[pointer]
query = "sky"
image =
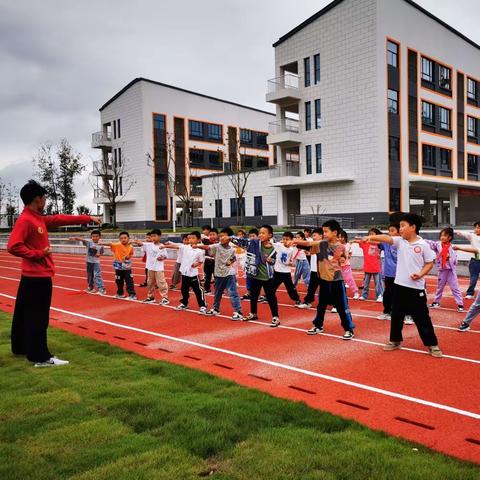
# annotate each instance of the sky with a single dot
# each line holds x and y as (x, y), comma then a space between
(60, 60)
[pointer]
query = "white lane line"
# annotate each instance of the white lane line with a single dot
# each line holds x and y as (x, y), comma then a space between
(271, 363)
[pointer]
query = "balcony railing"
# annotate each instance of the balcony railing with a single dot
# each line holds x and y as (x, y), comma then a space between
(287, 169)
(100, 168)
(289, 80)
(101, 139)
(284, 125)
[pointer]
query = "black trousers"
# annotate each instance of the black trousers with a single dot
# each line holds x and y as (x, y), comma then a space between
(388, 295)
(208, 268)
(31, 317)
(312, 287)
(410, 301)
(194, 284)
(333, 293)
(124, 277)
(286, 279)
(269, 289)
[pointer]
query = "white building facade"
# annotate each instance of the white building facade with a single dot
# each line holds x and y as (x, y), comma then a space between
(378, 110)
(157, 141)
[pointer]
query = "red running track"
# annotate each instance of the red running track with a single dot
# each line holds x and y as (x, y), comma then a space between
(406, 393)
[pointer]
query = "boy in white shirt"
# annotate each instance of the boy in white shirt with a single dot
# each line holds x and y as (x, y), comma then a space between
(282, 272)
(176, 275)
(414, 260)
(155, 258)
(191, 260)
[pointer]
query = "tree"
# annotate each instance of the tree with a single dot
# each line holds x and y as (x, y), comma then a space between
(47, 173)
(11, 204)
(69, 168)
(83, 210)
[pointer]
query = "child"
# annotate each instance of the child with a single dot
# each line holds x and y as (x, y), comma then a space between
(205, 231)
(302, 265)
(252, 234)
(144, 260)
(474, 265)
(446, 265)
(414, 260)
(314, 283)
(225, 273)
(259, 269)
(282, 268)
(474, 309)
(209, 264)
(191, 260)
(371, 266)
(94, 272)
(122, 263)
(307, 231)
(156, 255)
(240, 254)
(176, 275)
(330, 256)
(346, 267)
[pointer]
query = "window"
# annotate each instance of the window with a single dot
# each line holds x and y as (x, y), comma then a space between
(218, 208)
(308, 158)
(114, 129)
(316, 68)
(215, 160)
(119, 157)
(214, 131)
(245, 136)
(445, 160)
(120, 186)
(394, 149)
(444, 118)
(308, 116)
(428, 156)
(262, 162)
(392, 54)
(445, 77)
(318, 113)
(196, 186)
(427, 113)
(395, 200)
(473, 164)
(393, 101)
(306, 71)
(472, 127)
(237, 207)
(196, 158)
(257, 206)
(196, 128)
(159, 122)
(247, 162)
(318, 157)
(118, 128)
(427, 69)
(471, 89)
(261, 139)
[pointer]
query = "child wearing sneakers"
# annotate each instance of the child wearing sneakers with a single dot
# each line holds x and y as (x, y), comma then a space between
(414, 260)
(474, 309)
(347, 273)
(252, 234)
(94, 272)
(192, 258)
(144, 260)
(176, 275)
(156, 256)
(330, 255)
(474, 265)
(317, 235)
(224, 257)
(302, 265)
(122, 264)
(446, 263)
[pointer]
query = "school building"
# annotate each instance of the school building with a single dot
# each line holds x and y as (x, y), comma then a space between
(155, 143)
(377, 110)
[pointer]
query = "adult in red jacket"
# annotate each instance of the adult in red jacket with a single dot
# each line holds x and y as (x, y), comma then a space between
(29, 240)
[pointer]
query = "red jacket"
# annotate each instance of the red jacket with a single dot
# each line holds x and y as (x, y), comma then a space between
(29, 238)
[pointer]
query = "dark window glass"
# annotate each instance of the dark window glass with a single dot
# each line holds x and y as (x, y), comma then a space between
(395, 200)
(196, 186)
(215, 160)
(218, 208)
(118, 129)
(245, 136)
(257, 206)
(392, 53)
(318, 113)
(316, 68)
(427, 69)
(247, 162)
(114, 129)
(445, 74)
(262, 162)
(471, 89)
(318, 157)
(444, 118)
(197, 158)
(308, 157)
(261, 138)
(306, 71)
(159, 122)
(237, 207)
(308, 116)
(214, 131)
(473, 164)
(393, 101)
(394, 148)
(445, 160)
(427, 113)
(195, 128)
(428, 153)
(119, 157)
(472, 127)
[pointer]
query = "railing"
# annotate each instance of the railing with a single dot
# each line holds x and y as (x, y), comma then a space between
(99, 194)
(101, 139)
(101, 168)
(289, 80)
(318, 220)
(287, 169)
(284, 125)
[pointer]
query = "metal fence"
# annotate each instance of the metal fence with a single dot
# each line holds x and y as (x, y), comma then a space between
(318, 220)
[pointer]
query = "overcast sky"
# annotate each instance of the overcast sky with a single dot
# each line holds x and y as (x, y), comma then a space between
(62, 59)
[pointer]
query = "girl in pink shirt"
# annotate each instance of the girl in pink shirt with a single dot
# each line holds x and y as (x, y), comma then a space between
(347, 273)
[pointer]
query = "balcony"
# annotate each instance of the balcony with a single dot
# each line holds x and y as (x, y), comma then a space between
(99, 196)
(102, 169)
(284, 133)
(284, 90)
(287, 169)
(101, 140)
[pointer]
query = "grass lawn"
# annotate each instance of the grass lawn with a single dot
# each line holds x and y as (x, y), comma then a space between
(114, 415)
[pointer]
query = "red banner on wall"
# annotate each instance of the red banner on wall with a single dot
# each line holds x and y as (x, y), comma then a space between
(469, 192)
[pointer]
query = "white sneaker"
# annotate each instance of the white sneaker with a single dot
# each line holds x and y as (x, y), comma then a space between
(380, 299)
(408, 320)
(360, 298)
(356, 296)
(203, 310)
(468, 297)
(333, 310)
(237, 316)
(164, 301)
(304, 305)
(384, 316)
(52, 362)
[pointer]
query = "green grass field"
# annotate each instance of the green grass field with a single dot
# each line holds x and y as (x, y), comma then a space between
(114, 415)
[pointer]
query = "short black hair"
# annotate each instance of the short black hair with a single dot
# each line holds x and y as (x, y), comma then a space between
(317, 230)
(123, 233)
(196, 233)
(30, 191)
(96, 232)
(412, 219)
(253, 231)
(184, 236)
(156, 231)
(288, 235)
(344, 235)
(476, 224)
(269, 228)
(376, 231)
(395, 225)
(301, 234)
(333, 225)
(206, 227)
(240, 230)
(448, 231)
(214, 230)
(307, 229)
(228, 231)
